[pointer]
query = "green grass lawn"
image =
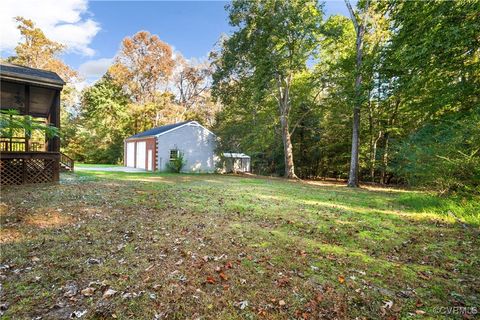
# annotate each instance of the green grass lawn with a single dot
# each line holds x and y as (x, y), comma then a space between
(227, 247)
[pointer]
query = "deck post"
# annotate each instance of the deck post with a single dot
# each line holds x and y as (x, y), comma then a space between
(54, 119)
(27, 112)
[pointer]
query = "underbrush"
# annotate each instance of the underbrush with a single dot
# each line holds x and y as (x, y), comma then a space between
(466, 209)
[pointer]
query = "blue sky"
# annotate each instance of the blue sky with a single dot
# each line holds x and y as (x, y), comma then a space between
(94, 30)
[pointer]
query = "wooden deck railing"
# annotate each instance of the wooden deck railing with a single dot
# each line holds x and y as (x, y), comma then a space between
(19, 144)
(66, 162)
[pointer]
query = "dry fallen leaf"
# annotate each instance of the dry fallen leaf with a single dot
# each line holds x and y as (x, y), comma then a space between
(150, 267)
(223, 276)
(109, 293)
(283, 282)
(281, 303)
(424, 275)
(210, 280)
(261, 312)
(242, 304)
(89, 291)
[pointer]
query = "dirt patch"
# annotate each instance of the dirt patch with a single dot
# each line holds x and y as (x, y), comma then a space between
(8, 235)
(48, 219)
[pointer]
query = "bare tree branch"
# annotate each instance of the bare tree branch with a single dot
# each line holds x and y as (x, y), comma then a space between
(300, 120)
(352, 14)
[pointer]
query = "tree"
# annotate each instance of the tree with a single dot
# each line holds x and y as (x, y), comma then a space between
(143, 64)
(37, 51)
(333, 74)
(437, 78)
(192, 83)
(103, 123)
(359, 24)
(273, 42)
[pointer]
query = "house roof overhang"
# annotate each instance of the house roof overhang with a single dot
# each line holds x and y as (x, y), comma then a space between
(28, 90)
(17, 73)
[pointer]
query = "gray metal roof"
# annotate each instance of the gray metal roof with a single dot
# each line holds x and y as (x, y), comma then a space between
(158, 130)
(17, 72)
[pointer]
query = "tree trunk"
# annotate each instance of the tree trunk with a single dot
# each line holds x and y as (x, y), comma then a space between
(354, 163)
(353, 175)
(372, 139)
(287, 149)
(283, 86)
(372, 161)
(390, 124)
(385, 158)
(374, 156)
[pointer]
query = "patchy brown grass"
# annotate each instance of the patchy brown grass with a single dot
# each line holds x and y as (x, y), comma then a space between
(219, 247)
(49, 219)
(10, 235)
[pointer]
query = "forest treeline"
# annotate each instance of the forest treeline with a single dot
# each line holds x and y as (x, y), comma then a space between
(418, 97)
(290, 85)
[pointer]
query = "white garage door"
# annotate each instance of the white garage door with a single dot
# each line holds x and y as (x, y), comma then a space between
(130, 154)
(141, 153)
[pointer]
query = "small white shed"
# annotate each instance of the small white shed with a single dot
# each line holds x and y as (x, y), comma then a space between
(236, 162)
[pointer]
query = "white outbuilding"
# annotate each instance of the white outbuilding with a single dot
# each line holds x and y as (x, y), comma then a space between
(236, 162)
(153, 149)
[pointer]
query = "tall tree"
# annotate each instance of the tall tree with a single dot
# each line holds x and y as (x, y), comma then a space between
(272, 42)
(103, 123)
(37, 51)
(359, 23)
(143, 65)
(191, 82)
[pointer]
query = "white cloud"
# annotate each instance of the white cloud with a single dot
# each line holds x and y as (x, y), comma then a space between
(94, 69)
(79, 86)
(61, 20)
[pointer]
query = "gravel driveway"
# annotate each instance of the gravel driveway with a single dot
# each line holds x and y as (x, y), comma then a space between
(112, 168)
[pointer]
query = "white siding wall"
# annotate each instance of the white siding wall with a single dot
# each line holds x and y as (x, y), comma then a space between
(196, 143)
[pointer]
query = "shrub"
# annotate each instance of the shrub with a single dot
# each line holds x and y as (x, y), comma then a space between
(444, 155)
(11, 121)
(176, 165)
